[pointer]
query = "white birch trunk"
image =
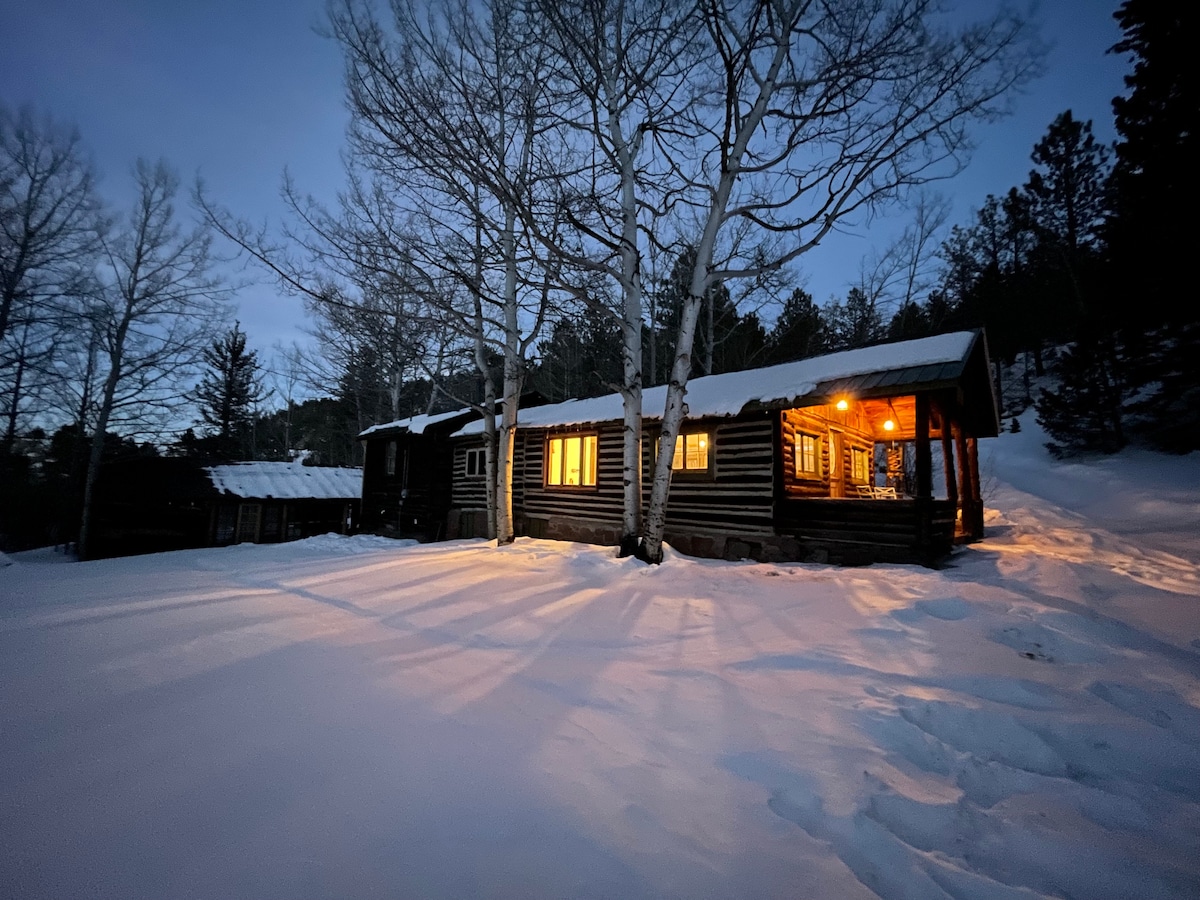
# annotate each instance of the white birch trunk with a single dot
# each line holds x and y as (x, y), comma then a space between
(675, 409)
(513, 380)
(631, 351)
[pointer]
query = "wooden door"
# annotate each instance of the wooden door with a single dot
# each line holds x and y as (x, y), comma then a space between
(248, 520)
(837, 464)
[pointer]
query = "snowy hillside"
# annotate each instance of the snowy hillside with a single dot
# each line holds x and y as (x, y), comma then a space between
(353, 717)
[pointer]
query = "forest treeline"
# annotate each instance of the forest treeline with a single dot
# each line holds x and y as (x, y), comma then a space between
(584, 208)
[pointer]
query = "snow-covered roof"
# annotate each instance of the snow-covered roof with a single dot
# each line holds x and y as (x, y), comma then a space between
(286, 481)
(732, 392)
(414, 424)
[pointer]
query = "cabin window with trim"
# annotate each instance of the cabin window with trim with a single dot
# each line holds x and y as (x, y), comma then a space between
(571, 461)
(476, 462)
(860, 465)
(808, 455)
(390, 458)
(691, 452)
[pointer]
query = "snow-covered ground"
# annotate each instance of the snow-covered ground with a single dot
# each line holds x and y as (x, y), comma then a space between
(353, 717)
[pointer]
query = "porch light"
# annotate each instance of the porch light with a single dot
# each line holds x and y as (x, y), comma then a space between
(843, 405)
(889, 425)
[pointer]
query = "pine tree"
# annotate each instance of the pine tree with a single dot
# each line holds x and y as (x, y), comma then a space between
(855, 323)
(228, 391)
(1154, 188)
(1085, 412)
(799, 332)
(1158, 124)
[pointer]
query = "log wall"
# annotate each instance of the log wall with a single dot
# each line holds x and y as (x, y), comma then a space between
(818, 421)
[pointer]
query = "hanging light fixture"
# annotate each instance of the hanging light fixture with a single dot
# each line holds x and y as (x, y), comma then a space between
(890, 423)
(843, 405)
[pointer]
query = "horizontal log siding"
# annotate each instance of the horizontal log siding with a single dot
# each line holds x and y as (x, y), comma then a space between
(738, 499)
(468, 492)
(601, 503)
(851, 531)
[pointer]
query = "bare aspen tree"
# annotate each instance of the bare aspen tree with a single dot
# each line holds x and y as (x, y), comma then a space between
(446, 107)
(157, 304)
(50, 221)
(820, 111)
(622, 70)
(906, 268)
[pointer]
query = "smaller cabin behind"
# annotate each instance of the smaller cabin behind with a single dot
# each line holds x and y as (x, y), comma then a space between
(157, 504)
(407, 473)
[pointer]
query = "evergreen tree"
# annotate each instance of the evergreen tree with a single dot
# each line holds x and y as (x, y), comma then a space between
(1067, 189)
(799, 332)
(581, 358)
(1155, 173)
(725, 340)
(910, 321)
(228, 392)
(1154, 185)
(855, 323)
(1086, 410)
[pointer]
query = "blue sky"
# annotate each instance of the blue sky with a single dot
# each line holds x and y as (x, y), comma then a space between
(237, 91)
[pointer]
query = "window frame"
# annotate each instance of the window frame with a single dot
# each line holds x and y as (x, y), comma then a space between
(390, 453)
(868, 462)
(479, 456)
(592, 470)
(798, 456)
(710, 451)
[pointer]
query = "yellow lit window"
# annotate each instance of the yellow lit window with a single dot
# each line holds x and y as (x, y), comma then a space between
(808, 455)
(571, 461)
(860, 465)
(691, 453)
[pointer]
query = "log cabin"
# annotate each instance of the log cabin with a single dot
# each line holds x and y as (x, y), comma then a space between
(829, 459)
(171, 503)
(407, 471)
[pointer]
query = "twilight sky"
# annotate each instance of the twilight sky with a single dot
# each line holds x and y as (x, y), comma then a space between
(236, 90)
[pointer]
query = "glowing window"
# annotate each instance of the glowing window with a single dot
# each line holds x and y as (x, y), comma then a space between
(571, 461)
(691, 453)
(860, 465)
(808, 455)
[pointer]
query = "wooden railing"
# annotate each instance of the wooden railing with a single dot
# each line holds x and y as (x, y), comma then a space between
(863, 531)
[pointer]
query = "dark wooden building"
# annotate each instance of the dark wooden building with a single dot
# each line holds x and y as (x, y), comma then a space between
(407, 474)
(826, 459)
(157, 504)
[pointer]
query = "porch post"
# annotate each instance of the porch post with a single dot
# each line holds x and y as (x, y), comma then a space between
(923, 501)
(964, 481)
(948, 464)
(976, 493)
(924, 452)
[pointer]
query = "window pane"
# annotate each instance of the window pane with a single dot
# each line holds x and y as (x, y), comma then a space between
(677, 459)
(807, 450)
(589, 460)
(573, 462)
(697, 451)
(554, 462)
